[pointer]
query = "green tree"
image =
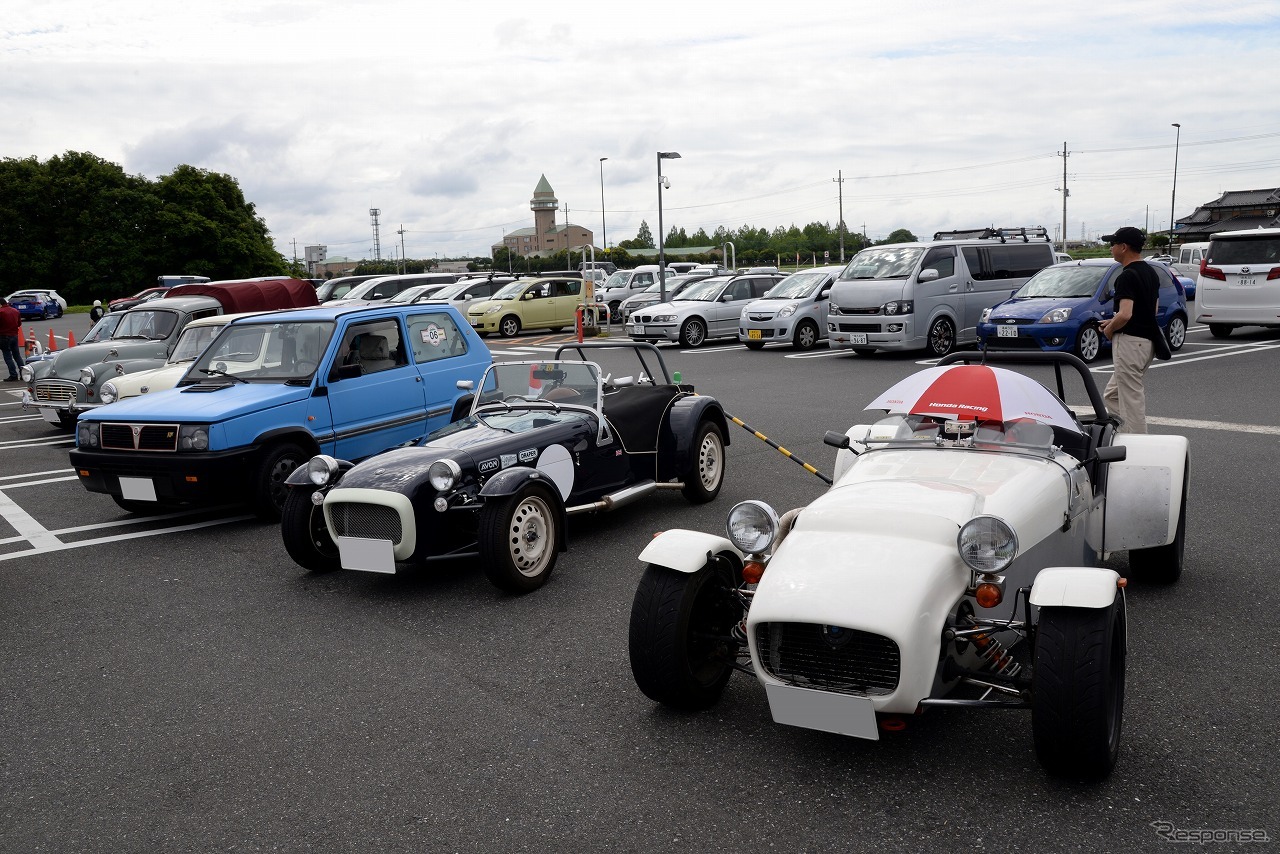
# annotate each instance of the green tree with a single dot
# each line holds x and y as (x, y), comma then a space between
(642, 240)
(900, 235)
(82, 225)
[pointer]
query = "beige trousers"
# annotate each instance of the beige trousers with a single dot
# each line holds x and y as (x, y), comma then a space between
(1125, 395)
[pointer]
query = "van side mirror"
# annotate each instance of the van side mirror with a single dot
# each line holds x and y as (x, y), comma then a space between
(927, 275)
(347, 372)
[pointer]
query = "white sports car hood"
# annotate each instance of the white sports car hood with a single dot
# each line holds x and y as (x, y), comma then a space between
(878, 551)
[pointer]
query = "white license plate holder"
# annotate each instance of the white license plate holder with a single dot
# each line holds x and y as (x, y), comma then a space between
(137, 489)
(635, 330)
(51, 415)
(857, 338)
(843, 714)
(366, 555)
(1006, 332)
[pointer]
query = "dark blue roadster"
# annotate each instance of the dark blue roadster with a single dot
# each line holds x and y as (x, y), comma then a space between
(543, 441)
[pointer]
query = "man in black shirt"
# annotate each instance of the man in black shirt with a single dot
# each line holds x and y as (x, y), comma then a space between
(1132, 330)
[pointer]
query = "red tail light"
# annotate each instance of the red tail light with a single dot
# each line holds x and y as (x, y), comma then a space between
(1274, 274)
(1211, 272)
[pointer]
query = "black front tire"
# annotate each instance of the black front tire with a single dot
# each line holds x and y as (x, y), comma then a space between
(693, 333)
(754, 345)
(705, 474)
(1220, 330)
(1176, 333)
(942, 337)
(519, 539)
(1163, 564)
(806, 336)
(1089, 343)
(306, 537)
(680, 642)
(274, 467)
(509, 327)
(1077, 687)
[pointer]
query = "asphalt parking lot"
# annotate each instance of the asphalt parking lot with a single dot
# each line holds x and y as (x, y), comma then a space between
(177, 683)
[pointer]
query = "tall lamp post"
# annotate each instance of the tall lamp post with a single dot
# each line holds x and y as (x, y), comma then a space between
(1174, 200)
(604, 234)
(662, 258)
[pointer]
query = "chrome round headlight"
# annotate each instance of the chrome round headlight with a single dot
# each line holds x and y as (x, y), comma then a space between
(752, 527)
(86, 376)
(108, 393)
(987, 544)
(444, 475)
(321, 469)
(27, 373)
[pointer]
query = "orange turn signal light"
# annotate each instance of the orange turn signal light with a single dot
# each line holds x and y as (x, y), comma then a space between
(191, 479)
(988, 594)
(1122, 582)
(752, 571)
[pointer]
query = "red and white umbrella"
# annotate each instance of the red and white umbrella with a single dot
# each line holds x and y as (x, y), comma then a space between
(976, 392)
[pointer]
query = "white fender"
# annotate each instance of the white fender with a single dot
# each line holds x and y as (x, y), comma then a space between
(1144, 492)
(683, 550)
(1074, 587)
(844, 459)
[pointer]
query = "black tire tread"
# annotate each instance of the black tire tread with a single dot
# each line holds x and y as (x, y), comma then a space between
(295, 530)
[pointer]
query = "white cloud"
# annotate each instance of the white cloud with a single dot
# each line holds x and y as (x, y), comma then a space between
(444, 116)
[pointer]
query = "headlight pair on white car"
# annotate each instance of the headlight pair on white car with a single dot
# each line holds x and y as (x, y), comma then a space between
(986, 544)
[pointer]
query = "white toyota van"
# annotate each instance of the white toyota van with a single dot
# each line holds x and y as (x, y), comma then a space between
(929, 295)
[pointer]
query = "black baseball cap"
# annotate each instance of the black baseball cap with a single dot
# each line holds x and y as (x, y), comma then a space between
(1130, 236)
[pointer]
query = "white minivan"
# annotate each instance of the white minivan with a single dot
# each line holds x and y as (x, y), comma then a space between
(1239, 283)
(930, 294)
(1191, 254)
(626, 283)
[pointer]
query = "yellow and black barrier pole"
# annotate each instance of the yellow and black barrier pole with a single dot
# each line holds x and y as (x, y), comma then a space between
(772, 444)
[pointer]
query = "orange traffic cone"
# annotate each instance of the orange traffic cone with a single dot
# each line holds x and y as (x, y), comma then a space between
(71, 338)
(53, 345)
(22, 339)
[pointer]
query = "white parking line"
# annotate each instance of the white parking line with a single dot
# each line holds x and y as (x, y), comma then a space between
(1227, 426)
(26, 526)
(44, 549)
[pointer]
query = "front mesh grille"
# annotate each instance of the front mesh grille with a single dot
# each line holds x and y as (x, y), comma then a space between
(56, 391)
(829, 657)
(139, 437)
(858, 327)
(369, 521)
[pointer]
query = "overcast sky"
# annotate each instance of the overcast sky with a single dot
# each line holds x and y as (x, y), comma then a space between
(444, 115)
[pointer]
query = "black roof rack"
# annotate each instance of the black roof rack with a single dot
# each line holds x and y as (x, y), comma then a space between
(1026, 233)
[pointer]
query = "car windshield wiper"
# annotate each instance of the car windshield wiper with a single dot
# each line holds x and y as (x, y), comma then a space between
(224, 374)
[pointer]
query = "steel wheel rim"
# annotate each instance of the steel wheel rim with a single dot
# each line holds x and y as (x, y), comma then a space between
(529, 536)
(1177, 333)
(275, 479)
(710, 459)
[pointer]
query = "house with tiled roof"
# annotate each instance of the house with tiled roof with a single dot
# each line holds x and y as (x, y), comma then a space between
(547, 236)
(1234, 210)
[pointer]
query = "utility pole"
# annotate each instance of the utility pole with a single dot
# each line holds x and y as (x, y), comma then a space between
(295, 252)
(401, 233)
(839, 179)
(377, 247)
(1065, 192)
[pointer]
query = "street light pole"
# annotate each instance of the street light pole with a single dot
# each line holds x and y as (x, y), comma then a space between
(604, 234)
(1173, 201)
(662, 258)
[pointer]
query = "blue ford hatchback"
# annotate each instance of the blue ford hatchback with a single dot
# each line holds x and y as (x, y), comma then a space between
(1061, 308)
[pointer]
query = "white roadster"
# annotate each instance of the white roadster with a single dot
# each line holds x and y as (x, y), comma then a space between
(953, 562)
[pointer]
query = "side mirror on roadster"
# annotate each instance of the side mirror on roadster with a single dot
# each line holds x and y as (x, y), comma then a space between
(836, 440)
(1113, 454)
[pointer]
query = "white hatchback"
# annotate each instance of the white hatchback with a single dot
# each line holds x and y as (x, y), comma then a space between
(707, 309)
